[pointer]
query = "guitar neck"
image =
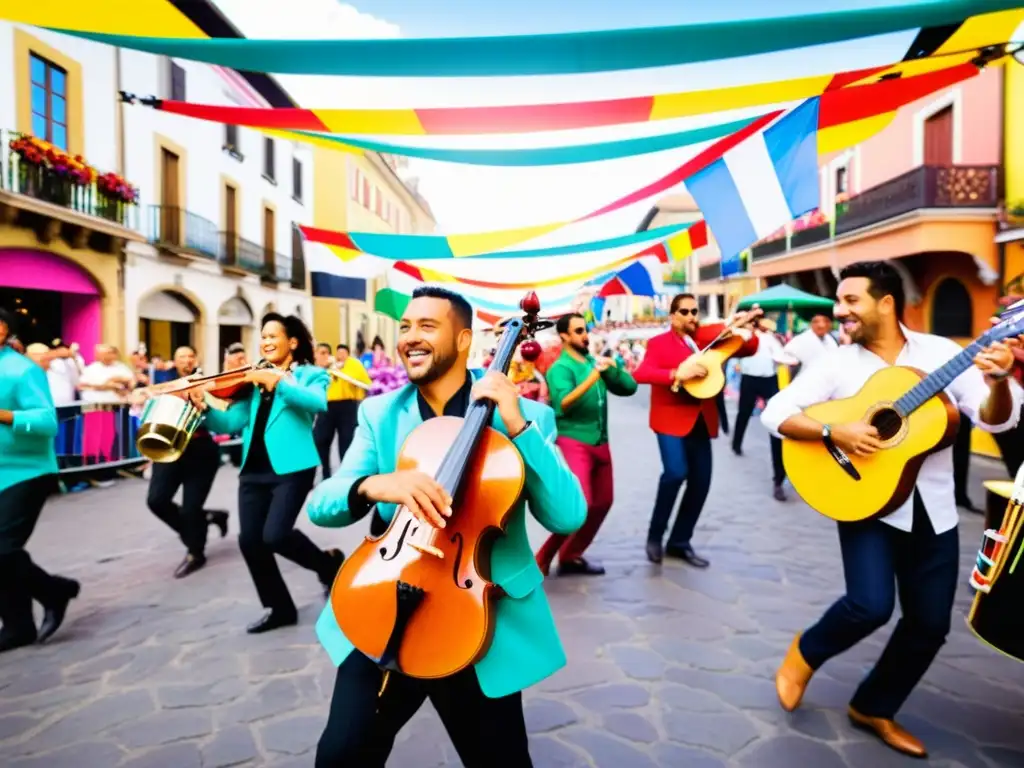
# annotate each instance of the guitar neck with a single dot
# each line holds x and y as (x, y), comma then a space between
(939, 379)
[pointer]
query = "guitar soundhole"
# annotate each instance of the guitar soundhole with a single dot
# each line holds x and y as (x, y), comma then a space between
(887, 422)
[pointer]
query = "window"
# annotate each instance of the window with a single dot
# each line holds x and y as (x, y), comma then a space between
(268, 159)
(49, 101)
(177, 82)
(231, 142)
(938, 138)
(297, 179)
(365, 199)
(842, 180)
(952, 310)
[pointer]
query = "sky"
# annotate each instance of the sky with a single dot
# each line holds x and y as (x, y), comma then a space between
(468, 199)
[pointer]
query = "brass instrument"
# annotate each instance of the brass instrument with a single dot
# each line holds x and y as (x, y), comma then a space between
(333, 371)
(169, 421)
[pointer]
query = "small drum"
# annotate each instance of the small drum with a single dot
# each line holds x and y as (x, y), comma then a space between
(168, 423)
(995, 616)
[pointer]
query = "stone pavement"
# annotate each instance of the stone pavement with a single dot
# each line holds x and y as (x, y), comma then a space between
(667, 666)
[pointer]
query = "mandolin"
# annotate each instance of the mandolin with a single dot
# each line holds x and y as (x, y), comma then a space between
(914, 418)
(713, 357)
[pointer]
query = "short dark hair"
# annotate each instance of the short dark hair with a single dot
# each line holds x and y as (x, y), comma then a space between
(294, 328)
(323, 345)
(563, 323)
(883, 280)
(463, 309)
(677, 299)
(341, 347)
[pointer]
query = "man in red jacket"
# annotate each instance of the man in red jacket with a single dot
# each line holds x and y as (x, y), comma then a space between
(684, 425)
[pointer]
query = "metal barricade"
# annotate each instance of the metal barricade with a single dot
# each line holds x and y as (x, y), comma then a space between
(95, 436)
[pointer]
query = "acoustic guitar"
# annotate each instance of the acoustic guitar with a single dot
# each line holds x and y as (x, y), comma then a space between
(713, 357)
(914, 418)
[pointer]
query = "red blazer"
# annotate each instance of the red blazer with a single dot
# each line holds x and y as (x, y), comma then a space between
(675, 413)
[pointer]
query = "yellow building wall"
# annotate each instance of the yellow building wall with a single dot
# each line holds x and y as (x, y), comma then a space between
(1013, 131)
(105, 269)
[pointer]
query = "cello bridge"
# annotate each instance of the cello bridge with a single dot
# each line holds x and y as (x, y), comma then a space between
(427, 549)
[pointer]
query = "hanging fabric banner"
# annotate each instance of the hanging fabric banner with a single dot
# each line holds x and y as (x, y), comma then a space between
(550, 54)
(867, 99)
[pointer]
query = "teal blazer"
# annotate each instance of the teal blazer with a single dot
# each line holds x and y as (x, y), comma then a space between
(298, 398)
(27, 445)
(525, 648)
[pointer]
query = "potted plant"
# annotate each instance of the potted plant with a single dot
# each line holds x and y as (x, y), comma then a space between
(114, 194)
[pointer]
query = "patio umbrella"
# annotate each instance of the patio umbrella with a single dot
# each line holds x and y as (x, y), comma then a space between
(390, 302)
(780, 298)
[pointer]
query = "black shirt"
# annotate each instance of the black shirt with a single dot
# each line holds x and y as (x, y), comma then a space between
(257, 461)
(359, 505)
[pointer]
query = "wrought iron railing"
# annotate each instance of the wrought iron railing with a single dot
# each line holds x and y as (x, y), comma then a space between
(176, 227)
(251, 256)
(31, 173)
(298, 271)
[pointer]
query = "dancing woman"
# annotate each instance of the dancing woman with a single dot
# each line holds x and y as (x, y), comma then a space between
(279, 461)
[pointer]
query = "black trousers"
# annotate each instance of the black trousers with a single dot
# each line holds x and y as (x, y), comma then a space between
(21, 580)
(338, 420)
(879, 562)
(751, 388)
(193, 473)
(268, 506)
(1011, 446)
(962, 459)
(361, 728)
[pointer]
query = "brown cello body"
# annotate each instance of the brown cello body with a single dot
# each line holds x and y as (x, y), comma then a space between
(419, 600)
(451, 626)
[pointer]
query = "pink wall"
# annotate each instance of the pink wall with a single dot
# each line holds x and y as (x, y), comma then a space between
(43, 271)
(890, 152)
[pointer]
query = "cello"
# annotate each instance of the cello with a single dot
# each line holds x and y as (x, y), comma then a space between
(417, 599)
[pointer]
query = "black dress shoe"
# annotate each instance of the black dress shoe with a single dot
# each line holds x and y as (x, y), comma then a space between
(687, 555)
(579, 567)
(327, 578)
(53, 616)
(654, 552)
(778, 493)
(273, 620)
(219, 518)
(9, 639)
(189, 565)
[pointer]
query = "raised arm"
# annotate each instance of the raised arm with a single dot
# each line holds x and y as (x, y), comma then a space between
(230, 421)
(305, 390)
(619, 381)
(654, 369)
(564, 395)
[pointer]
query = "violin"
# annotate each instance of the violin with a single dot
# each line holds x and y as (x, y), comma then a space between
(418, 599)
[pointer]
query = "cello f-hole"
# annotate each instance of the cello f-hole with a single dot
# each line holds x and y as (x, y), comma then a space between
(398, 546)
(460, 543)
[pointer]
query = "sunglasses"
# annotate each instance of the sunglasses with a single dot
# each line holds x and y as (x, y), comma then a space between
(685, 312)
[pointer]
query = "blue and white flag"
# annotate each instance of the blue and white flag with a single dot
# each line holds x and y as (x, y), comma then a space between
(761, 184)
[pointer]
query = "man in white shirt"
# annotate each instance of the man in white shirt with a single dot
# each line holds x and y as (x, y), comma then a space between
(758, 379)
(63, 373)
(915, 549)
(107, 379)
(804, 348)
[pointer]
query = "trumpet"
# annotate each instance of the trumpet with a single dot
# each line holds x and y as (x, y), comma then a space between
(169, 421)
(333, 371)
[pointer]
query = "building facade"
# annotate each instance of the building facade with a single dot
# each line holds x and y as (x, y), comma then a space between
(210, 243)
(373, 198)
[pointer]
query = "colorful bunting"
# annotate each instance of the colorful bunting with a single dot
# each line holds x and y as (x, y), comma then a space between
(634, 280)
(551, 54)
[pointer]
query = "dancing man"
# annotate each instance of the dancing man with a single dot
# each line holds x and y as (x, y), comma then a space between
(279, 461)
(28, 475)
(684, 425)
(349, 385)
(913, 552)
(481, 707)
(579, 384)
(193, 472)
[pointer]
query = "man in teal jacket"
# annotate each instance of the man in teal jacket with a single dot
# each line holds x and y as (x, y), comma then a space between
(28, 474)
(481, 707)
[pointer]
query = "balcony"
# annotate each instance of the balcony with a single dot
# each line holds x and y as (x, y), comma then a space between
(925, 187)
(57, 195)
(183, 233)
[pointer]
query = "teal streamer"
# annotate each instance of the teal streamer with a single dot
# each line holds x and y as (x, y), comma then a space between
(538, 156)
(425, 247)
(563, 53)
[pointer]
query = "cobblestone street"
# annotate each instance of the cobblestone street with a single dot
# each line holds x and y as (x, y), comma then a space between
(668, 666)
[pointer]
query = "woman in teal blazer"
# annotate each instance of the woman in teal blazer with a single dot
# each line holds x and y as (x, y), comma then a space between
(279, 461)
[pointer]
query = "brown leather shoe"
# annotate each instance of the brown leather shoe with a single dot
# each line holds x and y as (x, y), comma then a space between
(890, 733)
(792, 678)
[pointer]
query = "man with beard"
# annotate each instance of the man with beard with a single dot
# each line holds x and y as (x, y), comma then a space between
(481, 707)
(578, 385)
(913, 551)
(684, 425)
(194, 473)
(28, 475)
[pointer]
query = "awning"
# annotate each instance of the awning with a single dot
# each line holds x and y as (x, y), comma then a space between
(235, 311)
(1010, 235)
(166, 306)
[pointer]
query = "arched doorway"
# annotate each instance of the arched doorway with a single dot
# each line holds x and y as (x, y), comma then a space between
(236, 321)
(51, 298)
(952, 313)
(167, 320)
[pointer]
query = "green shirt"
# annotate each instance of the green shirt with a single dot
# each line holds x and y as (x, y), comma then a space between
(585, 420)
